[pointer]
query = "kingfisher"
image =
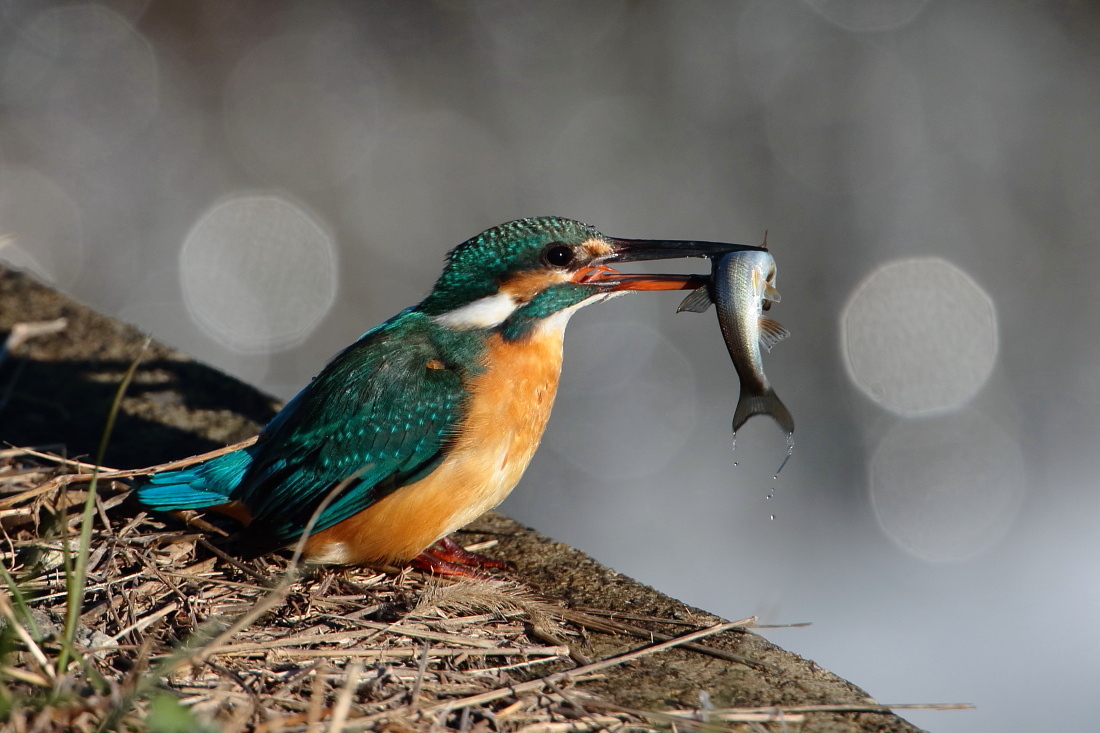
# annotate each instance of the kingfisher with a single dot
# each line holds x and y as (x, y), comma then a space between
(430, 418)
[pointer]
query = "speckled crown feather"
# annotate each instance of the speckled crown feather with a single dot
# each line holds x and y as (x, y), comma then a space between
(476, 267)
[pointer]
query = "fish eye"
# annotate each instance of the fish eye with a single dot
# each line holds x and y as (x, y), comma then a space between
(557, 254)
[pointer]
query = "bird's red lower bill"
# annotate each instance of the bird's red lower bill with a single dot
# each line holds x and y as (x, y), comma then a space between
(615, 280)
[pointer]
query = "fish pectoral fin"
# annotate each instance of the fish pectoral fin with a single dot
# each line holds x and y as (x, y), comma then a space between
(771, 333)
(770, 293)
(697, 301)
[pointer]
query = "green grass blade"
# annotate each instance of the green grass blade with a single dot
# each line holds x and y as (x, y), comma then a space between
(21, 604)
(76, 582)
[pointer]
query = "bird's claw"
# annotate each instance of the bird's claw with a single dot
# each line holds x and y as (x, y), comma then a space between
(447, 557)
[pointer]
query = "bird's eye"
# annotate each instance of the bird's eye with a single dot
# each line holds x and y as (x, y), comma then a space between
(557, 255)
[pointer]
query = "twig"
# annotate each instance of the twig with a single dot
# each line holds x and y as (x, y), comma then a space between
(692, 718)
(21, 332)
(611, 626)
(297, 640)
(9, 613)
(406, 653)
(343, 702)
(855, 707)
(227, 558)
(145, 621)
(61, 461)
(111, 473)
(421, 670)
(262, 606)
(417, 633)
(568, 698)
(316, 701)
(596, 666)
(544, 635)
(764, 714)
(617, 615)
(24, 676)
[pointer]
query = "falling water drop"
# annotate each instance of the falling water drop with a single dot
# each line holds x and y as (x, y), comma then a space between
(733, 444)
(790, 450)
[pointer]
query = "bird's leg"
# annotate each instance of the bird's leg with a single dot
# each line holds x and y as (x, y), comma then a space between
(426, 562)
(447, 557)
(448, 549)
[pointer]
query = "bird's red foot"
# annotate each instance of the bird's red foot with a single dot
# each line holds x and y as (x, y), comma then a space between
(447, 557)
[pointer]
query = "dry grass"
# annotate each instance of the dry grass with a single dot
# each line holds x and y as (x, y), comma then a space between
(114, 619)
(174, 633)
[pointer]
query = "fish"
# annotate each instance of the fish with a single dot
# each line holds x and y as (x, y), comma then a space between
(742, 286)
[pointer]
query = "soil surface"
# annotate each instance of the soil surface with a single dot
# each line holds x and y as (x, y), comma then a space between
(55, 391)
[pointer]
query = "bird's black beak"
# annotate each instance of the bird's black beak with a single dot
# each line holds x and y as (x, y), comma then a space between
(637, 250)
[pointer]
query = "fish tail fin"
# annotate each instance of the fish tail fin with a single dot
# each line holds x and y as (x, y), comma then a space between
(765, 403)
(209, 483)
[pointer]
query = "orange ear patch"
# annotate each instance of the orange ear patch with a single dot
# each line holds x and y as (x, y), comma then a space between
(597, 248)
(526, 285)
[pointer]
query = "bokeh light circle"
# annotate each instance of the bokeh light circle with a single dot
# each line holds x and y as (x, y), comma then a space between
(258, 273)
(845, 117)
(868, 15)
(80, 81)
(612, 154)
(435, 178)
(946, 489)
(530, 29)
(919, 336)
(303, 108)
(41, 226)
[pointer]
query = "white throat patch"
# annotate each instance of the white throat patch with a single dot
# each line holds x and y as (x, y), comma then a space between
(558, 321)
(487, 312)
(493, 310)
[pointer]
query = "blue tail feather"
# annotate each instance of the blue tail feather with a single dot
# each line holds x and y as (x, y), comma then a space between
(206, 484)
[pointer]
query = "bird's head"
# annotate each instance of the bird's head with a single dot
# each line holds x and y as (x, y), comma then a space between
(517, 274)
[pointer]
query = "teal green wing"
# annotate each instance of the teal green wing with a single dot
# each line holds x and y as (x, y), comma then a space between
(380, 416)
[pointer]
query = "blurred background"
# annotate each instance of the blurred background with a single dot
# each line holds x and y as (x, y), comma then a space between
(259, 182)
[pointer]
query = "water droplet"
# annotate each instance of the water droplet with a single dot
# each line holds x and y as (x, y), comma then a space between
(790, 450)
(771, 517)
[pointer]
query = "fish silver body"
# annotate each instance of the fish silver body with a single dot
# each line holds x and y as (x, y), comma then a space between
(742, 285)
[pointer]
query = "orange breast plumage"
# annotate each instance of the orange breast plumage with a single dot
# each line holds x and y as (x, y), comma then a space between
(509, 405)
